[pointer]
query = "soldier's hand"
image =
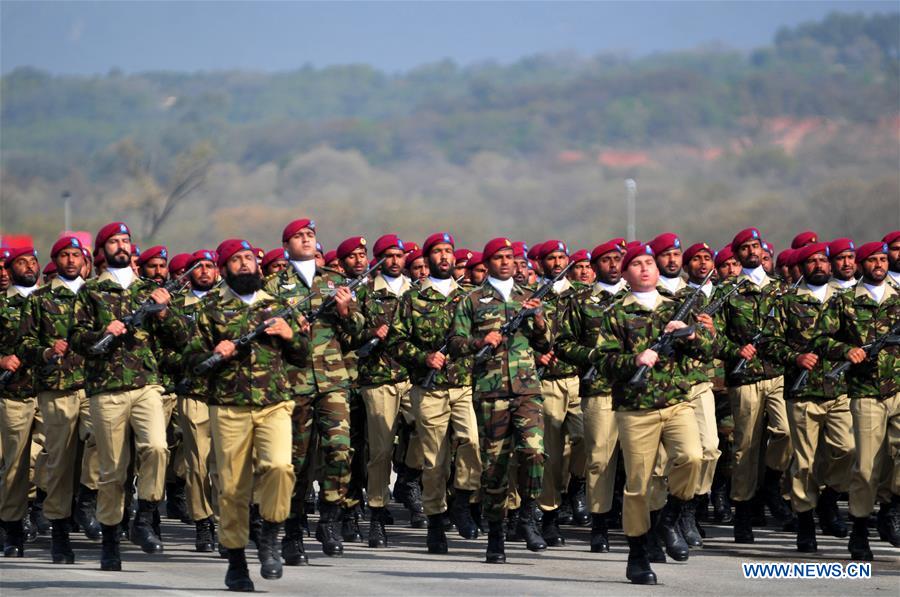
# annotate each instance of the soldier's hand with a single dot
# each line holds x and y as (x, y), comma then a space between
(493, 338)
(678, 325)
(856, 355)
(60, 347)
(342, 298)
(538, 314)
(381, 332)
(279, 327)
(161, 296)
(10, 363)
(747, 352)
(706, 321)
(546, 359)
(116, 328)
(807, 360)
(435, 360)
(647, 357)
(303, 325)
(226, 348)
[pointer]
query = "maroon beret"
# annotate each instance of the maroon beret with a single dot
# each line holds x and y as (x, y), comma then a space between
(87, 254)
(495, 245)
(157, 251)
(410, 246)
(839, 245)
(768, 247)
(229, 248)
(616, 244)
(99, 258)
(330, 256)
(534, 251)
(804, 238)
(109, 231)
(294, 227)
(273, 256)
(350, 245)
(16, 252)
(869, 249)
(785, 258)
(436, 239)
(696, 248)
(388, 241)
(64, 242)
(50, 268)
(474, 260)
(743, 236)
(636, 251)
(412, 256)
(891, 237)
(807, 251)
(462, 255)
(520, 249)
(723, 255)
(551, 246)
(180, 262)
(580, 255)
(202, 255)
(135, 250)
(664, 242)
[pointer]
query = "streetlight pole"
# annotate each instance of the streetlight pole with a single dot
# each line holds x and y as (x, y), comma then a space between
(66, 197)
(631, 190)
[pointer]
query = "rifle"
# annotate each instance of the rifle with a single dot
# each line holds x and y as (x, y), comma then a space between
(715, 306)
(891, 338)
(149, 307)
(428, 384)
(663, 344)
(245, 340)
(515, 322)
(591, 374)
(5, 376)
(758, 336)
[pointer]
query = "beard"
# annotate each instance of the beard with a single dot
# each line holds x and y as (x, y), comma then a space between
(244, 284)
(24, 280)
(202, 286)
(435, 271)
(817, 278)
(122, 258)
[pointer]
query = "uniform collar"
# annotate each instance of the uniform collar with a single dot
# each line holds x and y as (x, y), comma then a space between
(229, 295)
(427, 284)
(631, 299)
(74, 286)
(804, 289)
(608, 288)
(380, 283)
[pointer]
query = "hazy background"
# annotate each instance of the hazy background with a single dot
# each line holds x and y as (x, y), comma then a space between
(200, 120)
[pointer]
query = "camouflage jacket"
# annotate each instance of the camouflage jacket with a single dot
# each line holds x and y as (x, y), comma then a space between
(48, 316)
(256, 374)
(703, 371)
(12, 307)
(378, 303)
(852, 319)
(421, 325)
(131, 361)
(511, 369)
(188, 306)
(556, 308)
(325, 370)
(580, 334)
(744, 314)
(628, 329)
(797, 329)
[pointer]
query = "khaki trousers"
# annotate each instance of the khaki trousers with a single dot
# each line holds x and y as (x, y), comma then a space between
(704, 403)
(562, 418)
(442, 417)
(876, 469)
(751, 405)
(16, 420)
(199, 459)
(384, 404)
(113, 413)
(67, 420)
(824, 448)
(601, 436)
(247, 438)
(640, 435)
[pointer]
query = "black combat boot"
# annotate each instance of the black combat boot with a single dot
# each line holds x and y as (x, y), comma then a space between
(743, 522)
(176, 501)
(29, 529)
(461, 514)
(599, 534)
(654, 546)
(565, 515)
(720, 502)
(806, 532)
(496, 554)
(205, 540)
(328, 529)
(350, 525)
(667, 530)
(638, 569)
(41, 524)
(578, 499)
(413, 498)
(125, 524)
(478, 516)
(550, 529)
(688, 526)
(859, 540)
(14, 544)
(270, 550)
(238, 577)
(437, 537)
(292, 549)
(889, 521)
(142, 533)
(255, 524)
(528, 526)
(830, 518)
(85, 512)
(110, 559)
(512, 525)
(377, 534)
(778, 506)
(60, 550)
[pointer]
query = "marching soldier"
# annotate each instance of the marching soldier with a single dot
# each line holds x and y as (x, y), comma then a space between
(462, 257)
(476, 270)
(417, 266)
(669, 257)
(842, 255)
(4, 273)
(727, 267)
(892, 240)
(276, 260)
(581, 274)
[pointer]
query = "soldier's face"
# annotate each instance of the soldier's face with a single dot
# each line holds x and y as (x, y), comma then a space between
(894, 256)
(117, 250)
(356, 262)
(4, 275)
(730, 268)
(320, 260)
(669, 263)
(70, 263)
(582, 272)
(749, 254)
(501, 265)
(554, 263)
(204, 276)
(155, 269)
(642, 274)
(25, 270)
(418, 269)
(241, 263)
(766, 262)
(335, 265)
(441, 261)
(459, 268)
(394, 260)
(875, 268)
(608, 267)
(302, 246)
(796, 272)
(786, 272)
(817, 269)
(279, 265)
(843, 265)
(478, 274)
(699, 266)
(86, 268)
(520, 273)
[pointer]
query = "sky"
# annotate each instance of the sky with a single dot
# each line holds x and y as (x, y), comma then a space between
(93, 37)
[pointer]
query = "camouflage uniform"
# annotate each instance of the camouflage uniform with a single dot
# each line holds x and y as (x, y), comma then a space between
(506, 394)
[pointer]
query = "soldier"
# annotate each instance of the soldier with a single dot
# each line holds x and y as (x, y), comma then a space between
(581, 274)
(669, 257)
(656, 414)
(817, 408)
(851, 320)
(59, 382)
(522, 275)
(135, 256)
(462, 257)
(842, 255)
(534, 259)
(4, 273)
(332, 262)
(123, 385)
(353, 256)
(49, 272)
(783, 265)
(88, 267)
(417, 266)
(804, 238)
(320, 255)
(250, 407)
(476, 270)
(768, 258)
(319, 388)
(892, 239)
(727, 267)
(578, 337)
(277, 259)
(19, 405)
(562, 405)
(756, 389)
(506, 393)
(419, 331)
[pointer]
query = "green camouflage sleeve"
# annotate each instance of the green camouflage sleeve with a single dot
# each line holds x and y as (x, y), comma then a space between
(462, 344)
(400, 340)
(84, 332)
